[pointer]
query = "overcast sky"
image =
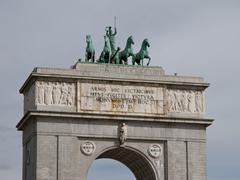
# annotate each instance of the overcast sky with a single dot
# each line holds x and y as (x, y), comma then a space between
(189, 37)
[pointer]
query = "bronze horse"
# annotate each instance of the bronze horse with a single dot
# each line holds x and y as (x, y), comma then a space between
(142, 54)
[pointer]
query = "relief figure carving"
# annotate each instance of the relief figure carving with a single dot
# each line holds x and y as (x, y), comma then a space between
(170, 100)
(55, 93)
(178, 101)
(48, 94)
(40, 93)
(191, 102)
(184, 101)
(64, 94)
(70, 96)
(175, 104)
(199, 102)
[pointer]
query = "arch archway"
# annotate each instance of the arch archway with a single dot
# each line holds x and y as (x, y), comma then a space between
(139, 165)
(109, 169)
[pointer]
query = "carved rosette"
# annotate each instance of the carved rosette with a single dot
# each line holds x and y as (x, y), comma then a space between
(185, 101)
(88, 148)
(155, 150)
(55, 93)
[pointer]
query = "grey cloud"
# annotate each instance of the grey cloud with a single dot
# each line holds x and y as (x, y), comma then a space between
(4, 128)
(4, 167)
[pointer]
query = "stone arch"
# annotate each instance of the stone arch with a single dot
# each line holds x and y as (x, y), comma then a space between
(136, 161)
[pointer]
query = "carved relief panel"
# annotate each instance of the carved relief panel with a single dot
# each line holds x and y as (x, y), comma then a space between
(55, 93)
(186, 101)
(112, 98)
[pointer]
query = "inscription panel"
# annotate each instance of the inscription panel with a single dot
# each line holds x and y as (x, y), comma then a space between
(121, 98)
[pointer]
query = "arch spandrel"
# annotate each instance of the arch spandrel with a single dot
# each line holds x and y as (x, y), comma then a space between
(138, 162)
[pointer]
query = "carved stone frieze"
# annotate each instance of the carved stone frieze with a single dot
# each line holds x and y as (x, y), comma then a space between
(55, 93)
(187, 101)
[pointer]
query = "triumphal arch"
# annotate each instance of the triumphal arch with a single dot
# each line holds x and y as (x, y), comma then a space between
(152, 122)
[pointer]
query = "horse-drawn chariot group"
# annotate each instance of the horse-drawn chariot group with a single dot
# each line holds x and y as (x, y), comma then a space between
(113, 55)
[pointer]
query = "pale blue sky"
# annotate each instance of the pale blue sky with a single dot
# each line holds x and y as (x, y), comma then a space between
(189, 37)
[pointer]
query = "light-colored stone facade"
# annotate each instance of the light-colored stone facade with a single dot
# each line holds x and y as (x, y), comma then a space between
(152, 122)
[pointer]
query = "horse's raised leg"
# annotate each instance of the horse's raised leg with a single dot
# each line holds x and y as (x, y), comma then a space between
(101, 58)
(148, 61)
(93, 57)
(126, 62)
(133, 60)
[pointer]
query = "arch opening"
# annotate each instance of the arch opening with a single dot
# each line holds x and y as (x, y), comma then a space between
(136, 162)
(109, 169)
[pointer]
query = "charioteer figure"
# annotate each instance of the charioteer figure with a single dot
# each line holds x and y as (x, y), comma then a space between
(111, 35)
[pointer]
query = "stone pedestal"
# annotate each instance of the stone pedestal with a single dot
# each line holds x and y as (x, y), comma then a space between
(152, 122)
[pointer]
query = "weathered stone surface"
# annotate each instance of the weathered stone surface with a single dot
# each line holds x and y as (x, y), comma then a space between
(197, 160)
(110, 70)
(121, 98)
(55, 93)
(177, 160)
(186, 101)
(145, 91)
(151, 122)
(46, 167)
(88, 148)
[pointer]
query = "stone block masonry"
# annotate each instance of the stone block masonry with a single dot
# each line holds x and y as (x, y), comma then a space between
(152, 122)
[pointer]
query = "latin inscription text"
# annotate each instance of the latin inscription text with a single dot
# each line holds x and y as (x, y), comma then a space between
(123, 98)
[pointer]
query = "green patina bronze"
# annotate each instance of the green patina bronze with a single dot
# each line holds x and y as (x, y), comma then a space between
(115, 56)
(90, 51)
(111, 35)
(142, 54)
(111, 54)
(114, 59)
(127, 52)
(106, 54)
